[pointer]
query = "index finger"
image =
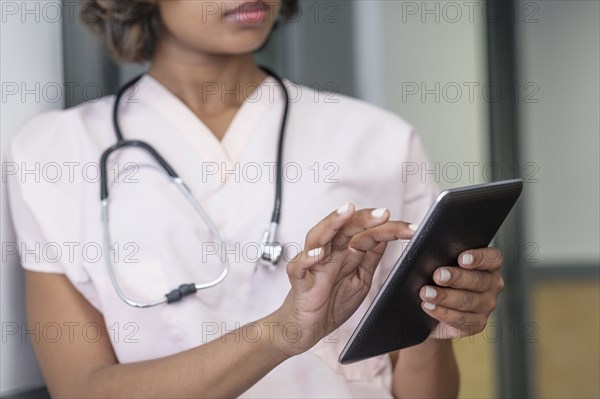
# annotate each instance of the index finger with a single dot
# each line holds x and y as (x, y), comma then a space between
(390, 231)
(489, 259)
(328, 227)
(363, 220)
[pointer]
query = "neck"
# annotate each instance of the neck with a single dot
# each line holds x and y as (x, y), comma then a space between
(208, 84)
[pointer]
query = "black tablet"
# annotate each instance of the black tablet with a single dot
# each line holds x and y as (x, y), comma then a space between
(460, 219)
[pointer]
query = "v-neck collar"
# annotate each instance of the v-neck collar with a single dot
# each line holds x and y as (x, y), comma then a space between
(230, 149)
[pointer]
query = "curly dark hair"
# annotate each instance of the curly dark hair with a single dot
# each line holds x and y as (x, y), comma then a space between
(131, 28)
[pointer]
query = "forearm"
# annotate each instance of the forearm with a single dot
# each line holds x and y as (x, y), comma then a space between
(225, 367)
(428, 370)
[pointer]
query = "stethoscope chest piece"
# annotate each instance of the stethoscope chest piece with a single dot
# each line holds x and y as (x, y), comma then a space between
(270, 252)
(270, 249)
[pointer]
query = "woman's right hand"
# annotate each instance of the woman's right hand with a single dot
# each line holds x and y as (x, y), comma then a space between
(332, 275)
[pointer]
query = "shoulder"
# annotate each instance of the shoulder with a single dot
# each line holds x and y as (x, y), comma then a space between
(59, 134)
(349, 128)
(347, 114)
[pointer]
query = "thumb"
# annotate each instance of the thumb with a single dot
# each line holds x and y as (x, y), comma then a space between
(298, 267)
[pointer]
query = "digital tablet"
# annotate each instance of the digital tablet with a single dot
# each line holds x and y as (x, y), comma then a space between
(460, 219)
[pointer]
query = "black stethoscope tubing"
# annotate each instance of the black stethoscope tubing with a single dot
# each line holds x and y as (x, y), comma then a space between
(122, 143)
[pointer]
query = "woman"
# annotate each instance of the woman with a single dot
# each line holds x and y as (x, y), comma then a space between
(212, 112)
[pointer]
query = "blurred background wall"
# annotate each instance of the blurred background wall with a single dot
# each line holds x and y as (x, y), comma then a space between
(496, 89)
(559, 135)
(31, 58)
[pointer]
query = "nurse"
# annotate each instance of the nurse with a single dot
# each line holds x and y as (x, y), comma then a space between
(209, 109)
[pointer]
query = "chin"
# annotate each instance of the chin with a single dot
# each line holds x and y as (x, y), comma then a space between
(244, 45)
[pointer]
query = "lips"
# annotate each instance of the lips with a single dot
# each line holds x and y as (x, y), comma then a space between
(248, 12)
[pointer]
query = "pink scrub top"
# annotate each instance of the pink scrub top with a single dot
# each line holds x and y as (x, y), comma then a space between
(337, 149)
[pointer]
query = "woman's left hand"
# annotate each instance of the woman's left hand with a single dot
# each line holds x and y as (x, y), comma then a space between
(465, 295)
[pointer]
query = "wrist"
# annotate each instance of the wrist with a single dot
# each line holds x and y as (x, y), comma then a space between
(427, 370)
(277, 337)
(436, 342)
(429, 351)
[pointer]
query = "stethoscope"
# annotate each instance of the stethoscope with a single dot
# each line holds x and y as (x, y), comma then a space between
(270, 249)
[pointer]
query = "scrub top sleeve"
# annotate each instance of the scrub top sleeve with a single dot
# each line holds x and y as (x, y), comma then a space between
(34, 250)
(420, 188)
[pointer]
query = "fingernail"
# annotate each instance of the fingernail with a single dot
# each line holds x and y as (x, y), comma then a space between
(377, 213)
(314, 252)
(444, 275)
(343, 209)
(429, 305)
(413, 227)
(430, 292)
(467, 259)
